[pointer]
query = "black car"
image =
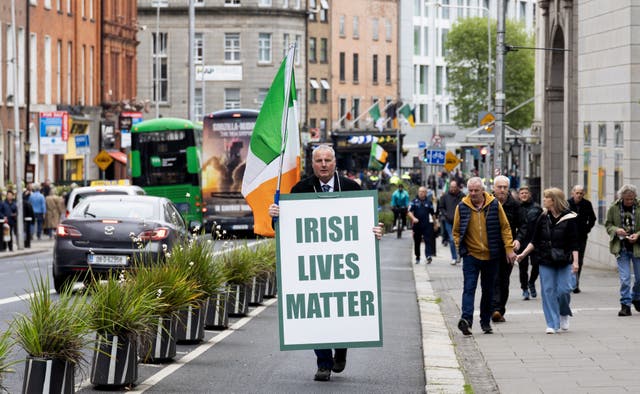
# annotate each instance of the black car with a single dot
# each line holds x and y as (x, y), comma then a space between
(110, 232)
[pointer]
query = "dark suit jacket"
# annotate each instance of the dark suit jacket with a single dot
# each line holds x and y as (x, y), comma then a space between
(312, 184)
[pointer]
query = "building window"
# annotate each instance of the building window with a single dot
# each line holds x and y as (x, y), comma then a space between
(341, 25)
(343, 111)
(231, 98)
(264, 48)
(69, 57)
(587, 134)
(324, 91)
(198, 103)
(376, 29)
(460, 8)
(286, 40)
(91, 75)
(231, 2)
(323, 50)
(439, 74)
(388, 27)
(198, 3)
(312, 10)
(374, 67)
(324, 15)
(426, 41)
(423, 113)
(262, 95)
(299, 47)
(356, 27)
(443, 38)
(160, 56)
(423, 80)
(618, 135)
(387, 69)
(264, 3)
(58, 72)
(355, 111)
(323, 125)
(198, 48)
(312, 50)
(602, 134)
(342, 66)
(445, 9)
(47, 70)
(33, 68)
(416, 40)
(231, 47)
(523, 10)
(313, 91)
(356, 75)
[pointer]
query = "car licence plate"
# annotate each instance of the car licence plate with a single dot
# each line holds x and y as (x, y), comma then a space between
(106, 259)
(240, 227)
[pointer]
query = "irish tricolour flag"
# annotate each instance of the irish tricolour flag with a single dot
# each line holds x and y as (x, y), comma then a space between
(273, 162)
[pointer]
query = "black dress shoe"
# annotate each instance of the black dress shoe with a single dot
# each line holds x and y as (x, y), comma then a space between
(338, 365)
(625, 310)
(636, 304)
(486, 328)
(323, 375)
(576, 290)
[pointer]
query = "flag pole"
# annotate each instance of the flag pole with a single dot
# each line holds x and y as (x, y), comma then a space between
(366, 112)
(288, 70)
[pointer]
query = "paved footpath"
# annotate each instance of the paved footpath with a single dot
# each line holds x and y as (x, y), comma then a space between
(599, 354)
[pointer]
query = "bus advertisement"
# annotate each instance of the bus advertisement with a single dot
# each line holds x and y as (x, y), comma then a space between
(225, 144)
(165, 161)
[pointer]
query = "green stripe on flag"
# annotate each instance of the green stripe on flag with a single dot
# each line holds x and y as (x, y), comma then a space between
(266, 140)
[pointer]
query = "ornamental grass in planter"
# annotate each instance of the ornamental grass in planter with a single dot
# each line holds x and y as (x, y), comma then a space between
(194, 256)
(5, 350)
(54, 335)
(266, 262)
(120, 312)
(175, 291)
(239, 261)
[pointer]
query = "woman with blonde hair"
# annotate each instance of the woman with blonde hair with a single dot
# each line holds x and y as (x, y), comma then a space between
(555, 237)
(55, 210)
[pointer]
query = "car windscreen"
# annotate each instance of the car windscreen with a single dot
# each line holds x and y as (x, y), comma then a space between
(116, 209)
(79, 197)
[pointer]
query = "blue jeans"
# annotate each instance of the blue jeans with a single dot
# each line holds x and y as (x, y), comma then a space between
(36, 227)
(452, 245)
(325, 357)
(471, 269)
(556, 285)
(625, 259)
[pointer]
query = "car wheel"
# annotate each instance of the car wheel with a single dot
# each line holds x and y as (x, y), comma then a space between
(60, 282)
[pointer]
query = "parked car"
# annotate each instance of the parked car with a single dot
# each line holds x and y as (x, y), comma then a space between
(110, 232)
(80, 193)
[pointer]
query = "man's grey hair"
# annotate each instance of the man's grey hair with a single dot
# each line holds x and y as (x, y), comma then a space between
(475, 180)
(626, 189)
(324, 147)
(577, 187)
(503, 179)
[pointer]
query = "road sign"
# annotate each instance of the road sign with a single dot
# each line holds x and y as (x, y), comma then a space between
(486, 119)
(435, 156)
(103, 160)
(451, 161)
(82, 144)
(422, 144)
(436, 140)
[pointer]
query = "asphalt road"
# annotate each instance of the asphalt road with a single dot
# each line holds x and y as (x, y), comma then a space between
(247, 359)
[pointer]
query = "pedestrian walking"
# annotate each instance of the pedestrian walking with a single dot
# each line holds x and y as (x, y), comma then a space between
(28, 217)
(10, 212)
(531, 210)
(556, 238)
(623, 227)
(37, 201)
(325, 179)
(586, 221)
(483, 237)
(513, 211)
(55, 210)
(447, 209)
(423, 216)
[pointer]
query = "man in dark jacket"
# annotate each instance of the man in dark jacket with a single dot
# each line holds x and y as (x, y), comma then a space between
(10, 211)
(531, 210)
(447, 209)
(28, 217)
(325, 179)
(585, 222)
(514, 216)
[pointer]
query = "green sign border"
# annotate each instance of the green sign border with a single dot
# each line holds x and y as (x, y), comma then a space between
(336, 195)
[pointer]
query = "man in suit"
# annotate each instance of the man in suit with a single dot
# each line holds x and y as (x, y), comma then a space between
(325, 179)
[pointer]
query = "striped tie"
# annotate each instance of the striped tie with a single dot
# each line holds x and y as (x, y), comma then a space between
(326, 188)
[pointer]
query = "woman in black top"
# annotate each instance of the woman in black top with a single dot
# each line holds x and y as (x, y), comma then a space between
(555, 237)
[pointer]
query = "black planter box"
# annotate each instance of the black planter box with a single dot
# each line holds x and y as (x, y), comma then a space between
(115, 360)
(217, 311)
(48, 376)
(160, 345)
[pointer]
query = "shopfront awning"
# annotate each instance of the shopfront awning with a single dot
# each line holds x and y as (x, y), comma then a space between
(119, 156)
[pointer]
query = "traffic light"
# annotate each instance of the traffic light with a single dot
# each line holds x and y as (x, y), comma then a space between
(424, 155)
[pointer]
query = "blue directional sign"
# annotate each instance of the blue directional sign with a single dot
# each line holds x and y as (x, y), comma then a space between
(82, 144)
(435, 156)
(422, 144)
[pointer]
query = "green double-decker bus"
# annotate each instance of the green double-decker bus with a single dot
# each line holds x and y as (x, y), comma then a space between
(165, 161)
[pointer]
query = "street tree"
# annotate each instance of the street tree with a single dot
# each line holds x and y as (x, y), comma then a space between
(466, 57)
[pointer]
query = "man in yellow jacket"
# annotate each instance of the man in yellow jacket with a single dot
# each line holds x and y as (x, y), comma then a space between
(483, 237)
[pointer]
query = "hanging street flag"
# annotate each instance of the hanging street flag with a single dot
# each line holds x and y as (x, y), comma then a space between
(274, 151)
(409, 114)
(375, 112)
(377, 157)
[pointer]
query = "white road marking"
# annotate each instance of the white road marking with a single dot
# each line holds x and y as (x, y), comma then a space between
(21, 297)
